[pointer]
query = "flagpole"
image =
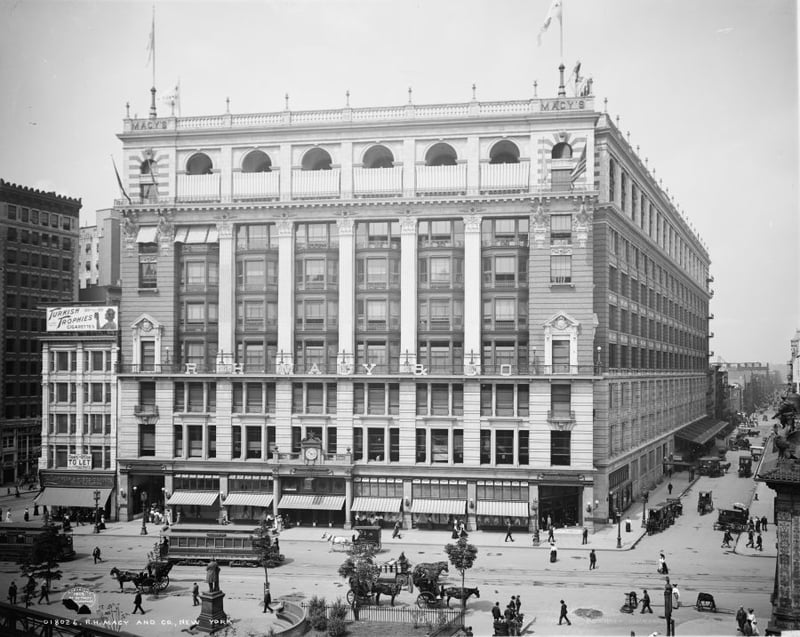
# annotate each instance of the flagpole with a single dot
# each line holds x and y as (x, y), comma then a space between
(560, 34)
(153, 55)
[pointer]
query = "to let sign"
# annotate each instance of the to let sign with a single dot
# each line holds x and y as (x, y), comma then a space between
(79, 461)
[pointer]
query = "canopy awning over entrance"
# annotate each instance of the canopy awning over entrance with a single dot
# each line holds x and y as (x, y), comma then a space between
(71, 497)
(199, 498)
(503, 509)
(377, 505)
(248, 499)
(445, 507)
(196, 234)
(147, 234)
(317, 502)
(702, 431)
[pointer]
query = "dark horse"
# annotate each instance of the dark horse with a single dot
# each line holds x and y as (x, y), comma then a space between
(429, 570)
(126, 576)
(460, 593)
(380, 588)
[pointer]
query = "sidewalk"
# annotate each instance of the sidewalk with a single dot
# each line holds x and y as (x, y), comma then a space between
(604, 538)
(760, 506)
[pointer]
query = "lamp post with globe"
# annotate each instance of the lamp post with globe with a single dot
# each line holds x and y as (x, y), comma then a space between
(144, 513)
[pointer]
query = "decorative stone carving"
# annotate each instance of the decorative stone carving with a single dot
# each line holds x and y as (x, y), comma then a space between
(130, 228)
(472, 223)
(408, 225)
(166, 228)
(580, 225)
(345, 225)
(538, 225)
(285, 227)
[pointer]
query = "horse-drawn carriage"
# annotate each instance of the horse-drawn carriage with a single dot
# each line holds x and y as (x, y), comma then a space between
(390, 580)
(712, 466)
(660, 517)
(676, 505)
(705, 502)
(745, 466)
(153, 580)
(433, 593)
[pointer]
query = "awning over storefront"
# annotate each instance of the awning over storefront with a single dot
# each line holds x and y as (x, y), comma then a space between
(503, 509)
(197, 234)
(199, 498)
(147, 234)
(71, 497)
(445, 507)
(318, 502)
(377, 505)
(248, 499)
(702, 431)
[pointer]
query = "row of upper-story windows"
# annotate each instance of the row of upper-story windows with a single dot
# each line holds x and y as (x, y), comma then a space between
(644, 214)
(40, 217)
(377, 156)
(14, 235)
(26, 257)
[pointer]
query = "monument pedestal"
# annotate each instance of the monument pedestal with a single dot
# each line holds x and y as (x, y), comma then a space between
(212, 615)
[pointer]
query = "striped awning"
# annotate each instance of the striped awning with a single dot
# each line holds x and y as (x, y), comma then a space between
(147, 234)
(200, 498)
(376, 505)
(446, 507)
(248, 499)
(318, 502)
(71, 497)
(196, 234)
(503, 509)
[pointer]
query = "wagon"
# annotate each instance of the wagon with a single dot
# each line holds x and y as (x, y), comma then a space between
(705, 502)
(734, 520)
(676, 505)
(660, 517)
(710, 466)
(155, 579)
(745, 466)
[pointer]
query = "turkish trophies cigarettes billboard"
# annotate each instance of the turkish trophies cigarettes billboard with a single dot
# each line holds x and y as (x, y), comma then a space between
(82, 319)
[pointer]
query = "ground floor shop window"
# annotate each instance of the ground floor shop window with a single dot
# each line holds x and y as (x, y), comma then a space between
(561, 505)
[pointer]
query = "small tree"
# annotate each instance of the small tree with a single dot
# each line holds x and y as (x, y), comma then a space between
(263, 546)
(42, 561)
(462, 556)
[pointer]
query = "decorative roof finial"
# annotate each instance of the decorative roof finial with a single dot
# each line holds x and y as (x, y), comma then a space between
(617, 121)
(637, 149)
(535, 88)
(605, 105)
(628, 135)
(127, 110)
(286, 101)
(347, 95)
(227, 105)
(473, 91)
(409, 95)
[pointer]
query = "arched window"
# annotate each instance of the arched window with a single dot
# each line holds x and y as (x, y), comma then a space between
(562, 150)
(378, 157)
(257, 162)
(199, 164)
(147, 166)
(504, 152)
(441, 154)
(316, 159)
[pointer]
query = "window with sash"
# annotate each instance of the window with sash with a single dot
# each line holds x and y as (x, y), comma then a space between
(560, 268)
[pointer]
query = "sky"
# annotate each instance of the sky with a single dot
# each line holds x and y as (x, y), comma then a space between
(708, 90)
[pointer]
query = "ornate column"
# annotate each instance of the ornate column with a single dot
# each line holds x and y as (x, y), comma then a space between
(408, 294)
(285, 297)
(226, 334)
(472, 294)
(346, 357)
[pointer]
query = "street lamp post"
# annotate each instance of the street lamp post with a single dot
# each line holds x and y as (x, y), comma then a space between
(645, 498)
(144, 513)
(619, 529)
(96, 511)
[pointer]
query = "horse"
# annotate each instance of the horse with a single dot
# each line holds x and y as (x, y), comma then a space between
(125, 576)
(460, 593)
(380, 588)
(431, 570)
(341, 541)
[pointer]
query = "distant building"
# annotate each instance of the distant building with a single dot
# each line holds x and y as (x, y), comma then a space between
(99, 251)
(38, 265)
(480, 310)
(743, 373)
(794, 364)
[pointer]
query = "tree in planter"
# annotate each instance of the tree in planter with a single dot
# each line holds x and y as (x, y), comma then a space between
(462, 556)
(264, 547)
(360, 565)
(42, 561)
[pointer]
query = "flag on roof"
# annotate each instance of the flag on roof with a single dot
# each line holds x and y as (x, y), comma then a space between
(119, 181)
(151, 41)
(554, 12)
(580, 167)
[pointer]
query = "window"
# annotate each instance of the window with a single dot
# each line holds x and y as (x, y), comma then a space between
(148, 266)
(560, 268)
(486, 446)
(254, 442)
(372, 398)
(440, 452)
(504, 446)
(358, 443)
(236, 445)
(376, 444)
(523, 447)
(147, 440)
(195, 442)
(560, 400)
(560, 448)
(421, 445)
(561, 354)
(148, 356)
(440, 399)
(560, 230)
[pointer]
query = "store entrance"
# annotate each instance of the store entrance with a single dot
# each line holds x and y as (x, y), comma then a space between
(561, 504)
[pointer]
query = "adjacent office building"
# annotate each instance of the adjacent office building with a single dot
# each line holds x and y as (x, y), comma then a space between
(479, 311)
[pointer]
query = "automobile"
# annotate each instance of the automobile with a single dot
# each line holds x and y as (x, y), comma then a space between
(710, 466)
(745, 466)
(756, 451)
(734, 519)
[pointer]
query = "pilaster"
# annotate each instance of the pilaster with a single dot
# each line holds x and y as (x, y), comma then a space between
(472, 294)
(227, 297)
(285, 296)
(346, 357)
(408, 294)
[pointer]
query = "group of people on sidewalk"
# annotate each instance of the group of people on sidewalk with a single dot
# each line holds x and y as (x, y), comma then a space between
(508, 621)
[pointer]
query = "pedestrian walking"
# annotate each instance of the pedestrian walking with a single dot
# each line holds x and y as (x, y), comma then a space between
(759, 543)
(741, 618)
(646, 602)
(26, 516)
(8, 516)
(726, 539)
(508, 530)
(585, 536)
(267, 600)
(751, 525)
(137, 603)
(396, 530)
(27, 595)
(12, 593)
(676, 597)
(749, 540)
(669, 488)
(43, 594)
(563, 614)
(662, 564)
(553, 553)
(96, 555)
(758, 525)
(195, 594)
(592, 560)
(751, 626)
(764, 523)
(550, 536)
(517, 604)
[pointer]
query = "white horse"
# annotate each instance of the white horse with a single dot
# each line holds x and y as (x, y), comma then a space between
(340, 542)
